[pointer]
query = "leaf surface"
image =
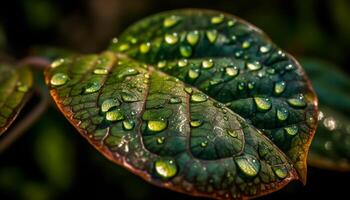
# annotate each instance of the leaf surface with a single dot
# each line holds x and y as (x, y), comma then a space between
(175, 103)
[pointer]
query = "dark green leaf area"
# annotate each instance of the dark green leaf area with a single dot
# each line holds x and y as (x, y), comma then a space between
(165, 130)
(15, 85)
(234, 63)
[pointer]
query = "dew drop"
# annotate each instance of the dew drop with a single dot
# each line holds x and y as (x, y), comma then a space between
(161, 64)
(145, 47)
(59, 79)
(188, 90)
(231, 23)
(185, 50)
(231, 71)
(175, 100)
(160, 140)
(282, 114)
(280, 87)
(207, 64)
(100, 71)
(123, 47)
(171, 38)
(192, 37)
(204, 144)
(289, 67)
(114, 115)
(108, 104)
(330, 123)
(22, 88)
(217, 19)
(211, 35)
(291, 130)
(127, 97)
(196, 123)
(251, 85)
(128, 125)
(171, 21)
(193, 74)
(280, 171)
(232, 133)
(241, 86)
(165, 168)
(297, 102)
(57, 63)
(248, 165)
(127, 72)
(263, 104)
(264, 49)
(156, 126)
(245, 44)
(253, 66)
(198, 97)
(182, 63)
(92, 87)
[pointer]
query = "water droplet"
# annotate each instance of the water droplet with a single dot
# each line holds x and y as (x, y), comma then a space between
(289, 67)
(127, 97)
(123, 47)
(291, 130)
(100, 71)
(145, 47)
(241, 86)
(92, 87)
(171, 38)
(166, 168)
(57, 63)
(115, 40)
(160, 140)
(193, 74)
(328, 145)
(59, 79)
(233, 133)
(251, 85)
(248, 165)
(108, 104)
(175, 100)
(156, 126)
(238, 54)
(204, 144)
(127, 72)
(207, 64)
(114, 115)
(253, 66)
(196, 123)
(171, 21)
(231, 23)
(282, 114)
(182, 63)
(199, 97)
(192, 37)
(128, 125)
(161, 64)
(263, 104)
(280, 87)
(280, 171)
(330, 123)
(271, 71)
(245, 44)
(297, 102)
(188, 90)
(22, 88)
(186, 51)
(211, 35)
(217, 19)
(264, 49)
(232, 71)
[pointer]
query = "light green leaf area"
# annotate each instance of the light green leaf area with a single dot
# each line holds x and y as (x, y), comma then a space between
(15, 86)
(195, 101)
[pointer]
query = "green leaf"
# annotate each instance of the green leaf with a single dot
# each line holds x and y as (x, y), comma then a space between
(195, 101)
(15, 86)
(330, 148)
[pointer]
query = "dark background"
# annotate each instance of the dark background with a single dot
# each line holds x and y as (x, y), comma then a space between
(52, 161)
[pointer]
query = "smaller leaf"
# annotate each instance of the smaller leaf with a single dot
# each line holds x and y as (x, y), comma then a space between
(15, 86)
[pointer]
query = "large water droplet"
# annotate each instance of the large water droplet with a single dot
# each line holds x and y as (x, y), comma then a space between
(193, 74)
(175, 100)
(100, 71)
(207, 64)
(59, 79)
(280, 87)
(156, 126)
(217, 19)
(291, 130)
(196, 123)
(253, 66)
(171, 21)
(171, 38)
(185, 50)
(192, 37)
(211, 35)
(231, 71)
(108, 104)
(182, 63)
(263, 104)
(280, 171)
(92, 87)
(297, 102)
(57, 63)
(128, 125)
(282, 114)
(166, 168)
(127, 72)
(145, 47)
(114, 115)
(198, 97)
(248, 165)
